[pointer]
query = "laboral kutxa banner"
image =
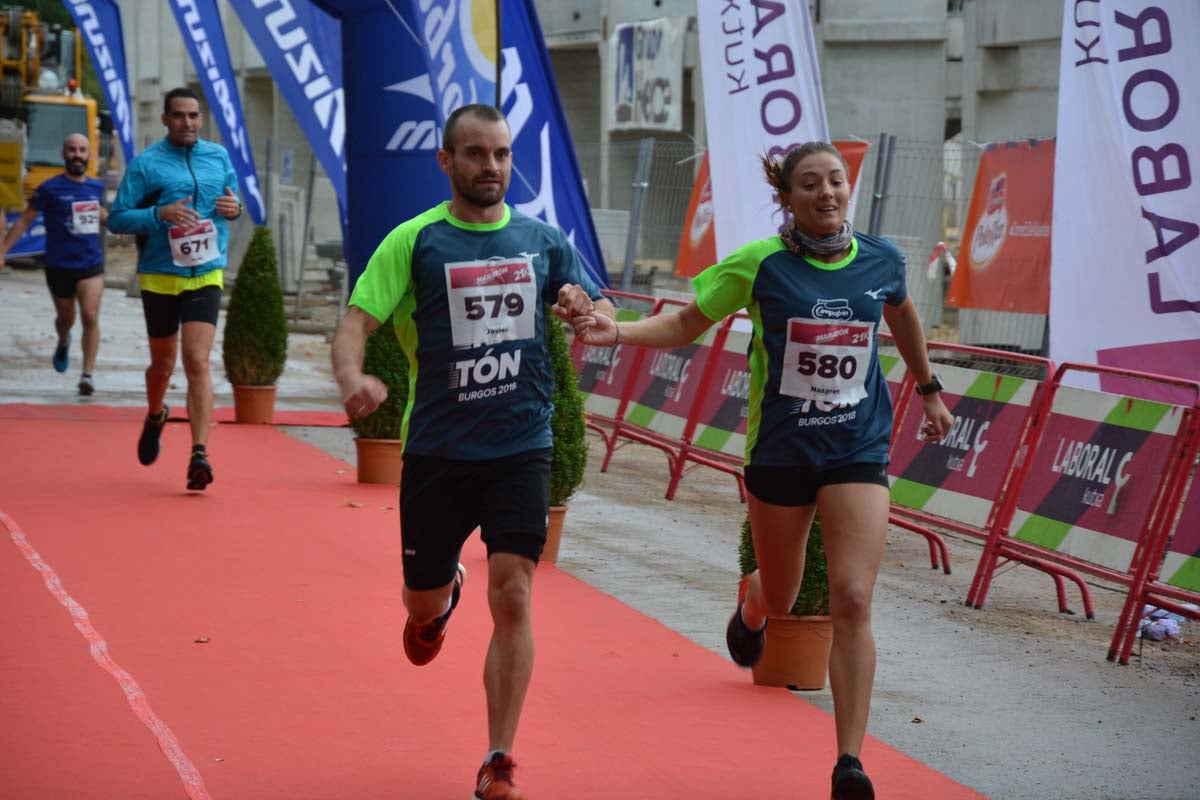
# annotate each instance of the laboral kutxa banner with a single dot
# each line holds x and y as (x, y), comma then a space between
(1004, 263)
(762, 94)
(1125, 281)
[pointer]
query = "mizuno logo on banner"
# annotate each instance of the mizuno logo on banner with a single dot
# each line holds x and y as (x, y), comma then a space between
(109, 61)
(326, 100)
(211, 59)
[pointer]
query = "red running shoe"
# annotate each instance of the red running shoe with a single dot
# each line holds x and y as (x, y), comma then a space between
(495, 780)
(422, 643)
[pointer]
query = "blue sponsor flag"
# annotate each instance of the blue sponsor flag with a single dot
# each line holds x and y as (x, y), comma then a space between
(100, 22)
(302, 47)
(546, 180)
(393, 135)
(459, 41)
(200, 24)
(460, 48)
(32, 241)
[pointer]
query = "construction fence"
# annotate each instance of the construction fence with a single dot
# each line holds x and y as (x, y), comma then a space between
(915, 192)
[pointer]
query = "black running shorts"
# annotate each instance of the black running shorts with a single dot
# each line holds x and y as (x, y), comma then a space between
(62, 282)
(164, 312)
(442, 501)
(796, 486)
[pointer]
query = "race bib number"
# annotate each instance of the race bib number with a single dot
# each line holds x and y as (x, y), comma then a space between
(85, 217)
(195, 245)
(491, 301)
(826, 360)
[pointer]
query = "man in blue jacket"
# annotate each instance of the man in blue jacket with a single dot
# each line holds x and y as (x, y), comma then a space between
(176, 196)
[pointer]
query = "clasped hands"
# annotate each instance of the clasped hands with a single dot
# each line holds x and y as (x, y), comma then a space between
(577, 309)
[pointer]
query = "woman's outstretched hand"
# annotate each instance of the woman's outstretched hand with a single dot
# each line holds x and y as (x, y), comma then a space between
(596, 329)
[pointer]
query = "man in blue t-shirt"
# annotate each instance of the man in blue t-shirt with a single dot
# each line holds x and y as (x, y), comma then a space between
(465, 285)
(72, 206)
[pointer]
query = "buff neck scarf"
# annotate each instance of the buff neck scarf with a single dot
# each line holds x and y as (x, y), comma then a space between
(799, 242)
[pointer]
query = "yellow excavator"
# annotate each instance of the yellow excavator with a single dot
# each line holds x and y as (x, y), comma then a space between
(41, 67)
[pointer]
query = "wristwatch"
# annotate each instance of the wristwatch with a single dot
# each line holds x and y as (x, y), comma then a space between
(934, 386)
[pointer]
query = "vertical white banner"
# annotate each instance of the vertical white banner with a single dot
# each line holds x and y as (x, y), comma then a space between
(644, 76)
(1125, 255)
(762, 94)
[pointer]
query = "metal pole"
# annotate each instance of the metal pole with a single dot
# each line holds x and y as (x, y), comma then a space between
(267, 182)
(883, 181)
(499, 57)
(312, 175)
(641, 181)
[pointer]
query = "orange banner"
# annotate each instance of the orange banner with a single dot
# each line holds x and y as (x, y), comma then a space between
(698, 245)
(1004, 260)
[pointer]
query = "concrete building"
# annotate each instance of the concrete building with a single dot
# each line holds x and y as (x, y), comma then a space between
(919, 70)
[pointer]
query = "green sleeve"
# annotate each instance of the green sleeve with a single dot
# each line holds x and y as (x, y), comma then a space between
(727, 287)
(388, 276)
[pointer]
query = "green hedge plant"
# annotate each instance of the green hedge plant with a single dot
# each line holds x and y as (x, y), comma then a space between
(813, 600)
(567, 423)
(384, 358)
(254, 347)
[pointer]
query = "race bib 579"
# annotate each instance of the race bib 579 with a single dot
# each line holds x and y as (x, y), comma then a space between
(491, 301)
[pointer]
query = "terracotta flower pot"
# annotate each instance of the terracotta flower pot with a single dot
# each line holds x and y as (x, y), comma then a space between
(553, 535)
(797, 653)
(254, 405)
(379, 460)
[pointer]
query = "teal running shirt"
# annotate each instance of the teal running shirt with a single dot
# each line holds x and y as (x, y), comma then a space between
(470, 315)
(818, 398)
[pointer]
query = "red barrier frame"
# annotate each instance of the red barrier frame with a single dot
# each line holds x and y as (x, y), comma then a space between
(701, 456)
(1144, 587)
(1151, 539)
(597, 421)
(918, 521)
(672, 448)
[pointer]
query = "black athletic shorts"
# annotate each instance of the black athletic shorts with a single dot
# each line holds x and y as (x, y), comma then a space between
(442, 501)
(796, 486)
(62, 282)
(164, 312)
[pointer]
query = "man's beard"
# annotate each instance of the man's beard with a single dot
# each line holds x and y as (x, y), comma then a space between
(76, 168)
(481, 196)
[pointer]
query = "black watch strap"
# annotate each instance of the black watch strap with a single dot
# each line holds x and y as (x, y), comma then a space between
(933, 387)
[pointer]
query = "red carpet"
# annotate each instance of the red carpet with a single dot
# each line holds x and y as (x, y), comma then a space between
(257, 625)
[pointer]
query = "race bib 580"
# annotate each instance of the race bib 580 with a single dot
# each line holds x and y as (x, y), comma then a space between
(826, 360)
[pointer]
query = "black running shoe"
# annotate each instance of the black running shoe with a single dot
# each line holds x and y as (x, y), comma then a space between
(200, 472)
(849, 780)
(745, 646)
(86, 385)
(151, 431)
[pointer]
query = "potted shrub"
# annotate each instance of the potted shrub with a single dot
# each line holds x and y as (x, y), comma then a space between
(377, 436)
(797, 649)
(569, 427)
(254, 347)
